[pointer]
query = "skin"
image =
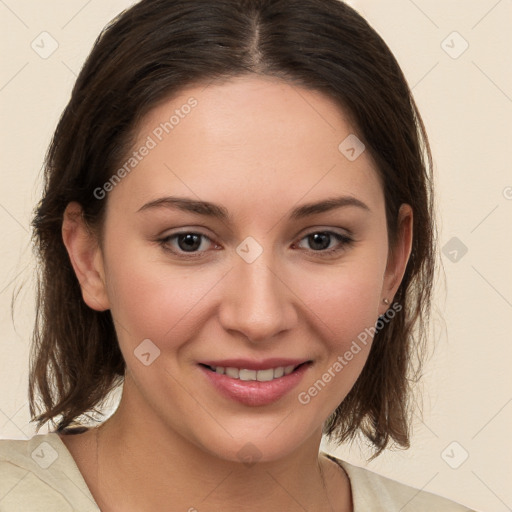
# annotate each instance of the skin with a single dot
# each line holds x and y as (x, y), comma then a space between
(174, 438)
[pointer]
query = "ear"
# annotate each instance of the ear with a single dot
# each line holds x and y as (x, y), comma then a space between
(399, 255)
(86, 257)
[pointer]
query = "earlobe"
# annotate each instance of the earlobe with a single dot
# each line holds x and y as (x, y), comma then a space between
(85, 256)
(399, 257)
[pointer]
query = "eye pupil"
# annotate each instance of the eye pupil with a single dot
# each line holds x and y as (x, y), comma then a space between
(191, 240)
(320, 239)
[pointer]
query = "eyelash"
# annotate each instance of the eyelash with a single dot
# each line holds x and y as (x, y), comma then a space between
(344, 240)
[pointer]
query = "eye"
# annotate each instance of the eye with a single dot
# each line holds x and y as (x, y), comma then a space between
(320, 242)
(185, 244)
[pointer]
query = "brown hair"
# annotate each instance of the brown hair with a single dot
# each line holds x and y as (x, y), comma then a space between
(155, 49)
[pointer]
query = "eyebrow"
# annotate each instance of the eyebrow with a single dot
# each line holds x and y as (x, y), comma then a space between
(213, 210)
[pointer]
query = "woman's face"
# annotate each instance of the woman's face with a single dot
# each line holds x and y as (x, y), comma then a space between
(262, 283)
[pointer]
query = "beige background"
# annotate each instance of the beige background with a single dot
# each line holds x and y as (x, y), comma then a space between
(466, 102)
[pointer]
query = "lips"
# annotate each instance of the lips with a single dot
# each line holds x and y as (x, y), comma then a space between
(254, 383)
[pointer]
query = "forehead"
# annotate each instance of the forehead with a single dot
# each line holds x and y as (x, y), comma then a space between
(247, 140)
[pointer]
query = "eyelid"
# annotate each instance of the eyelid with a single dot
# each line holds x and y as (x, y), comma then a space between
(326, 229)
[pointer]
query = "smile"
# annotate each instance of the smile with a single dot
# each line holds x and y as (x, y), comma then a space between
(255, 375)
(265, 383)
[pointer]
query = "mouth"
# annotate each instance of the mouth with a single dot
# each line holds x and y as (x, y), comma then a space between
(246, 374)
(261, 385)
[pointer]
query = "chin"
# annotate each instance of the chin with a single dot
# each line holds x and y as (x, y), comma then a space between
(257, 440)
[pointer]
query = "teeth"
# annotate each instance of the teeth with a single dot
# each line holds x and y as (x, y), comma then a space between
(248, 374)
(234, 373)
(288, 369)
(252, 375)
(265, 375)
(278, 372)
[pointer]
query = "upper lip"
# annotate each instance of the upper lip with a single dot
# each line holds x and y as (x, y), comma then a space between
(251, 364)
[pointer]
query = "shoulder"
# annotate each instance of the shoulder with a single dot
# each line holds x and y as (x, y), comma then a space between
(39, 474)
(371, 491)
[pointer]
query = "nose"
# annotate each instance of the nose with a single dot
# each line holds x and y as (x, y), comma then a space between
(258, 300)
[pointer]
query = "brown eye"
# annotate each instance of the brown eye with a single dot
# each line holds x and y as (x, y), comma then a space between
(186, 244)
(189, 241)
(320, 241)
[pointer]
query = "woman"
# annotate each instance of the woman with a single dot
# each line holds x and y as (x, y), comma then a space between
(242, 327)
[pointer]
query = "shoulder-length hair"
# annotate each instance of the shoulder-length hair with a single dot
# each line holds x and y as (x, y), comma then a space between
(149, 53)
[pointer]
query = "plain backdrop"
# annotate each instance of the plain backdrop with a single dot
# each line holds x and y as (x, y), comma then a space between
(457, 59)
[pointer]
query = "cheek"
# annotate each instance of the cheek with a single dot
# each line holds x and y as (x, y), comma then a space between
(344, 306)
(343, 303)
(345, 300)
(151, 299)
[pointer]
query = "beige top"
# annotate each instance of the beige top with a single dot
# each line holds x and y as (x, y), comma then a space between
(40, 475)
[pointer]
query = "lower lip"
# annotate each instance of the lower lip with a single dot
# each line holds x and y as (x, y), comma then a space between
(254, 393)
